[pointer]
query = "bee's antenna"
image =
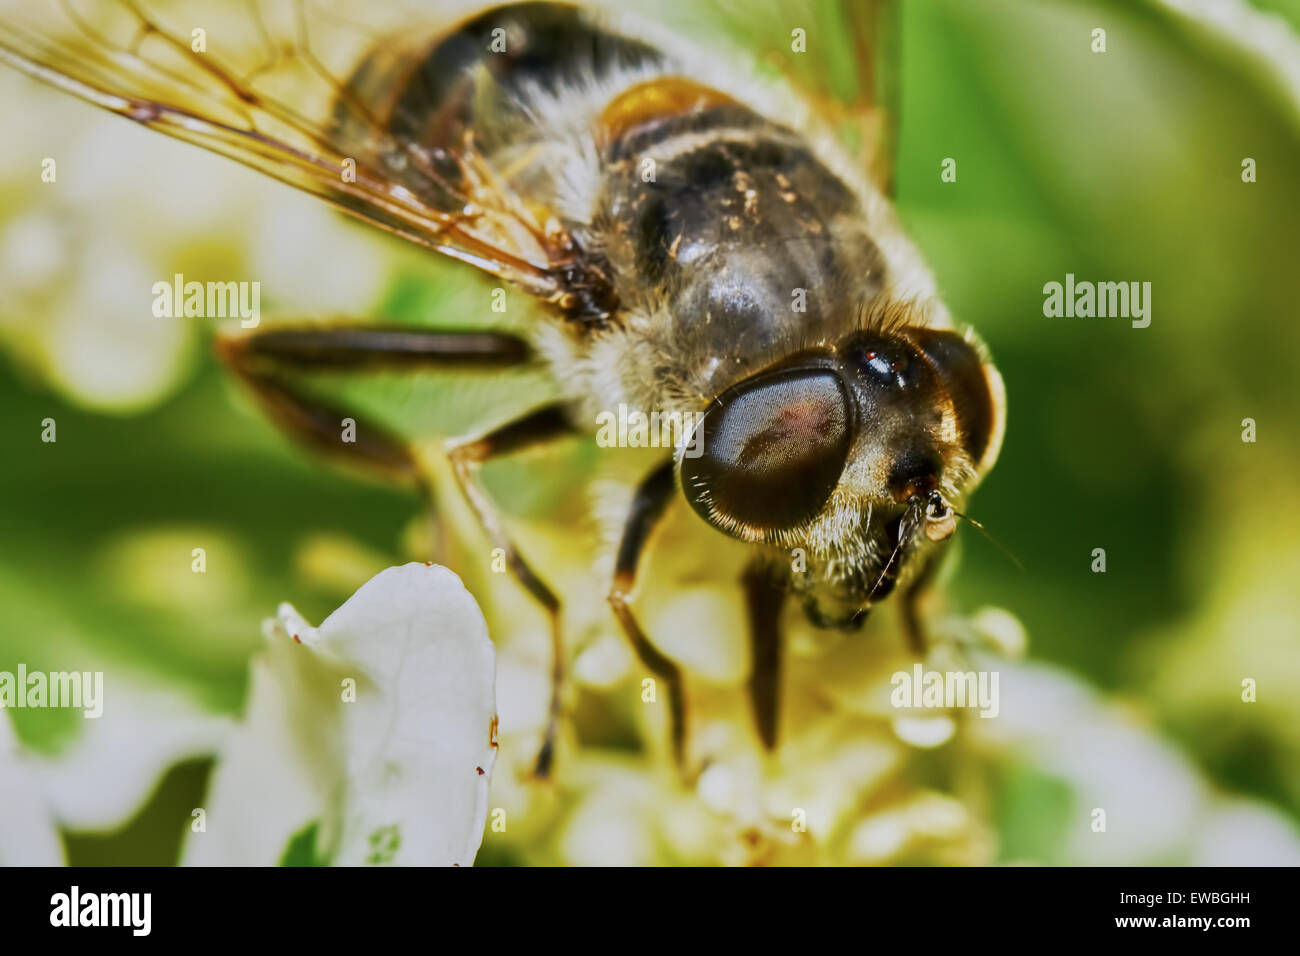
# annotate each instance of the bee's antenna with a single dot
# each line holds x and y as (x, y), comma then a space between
(992, 540)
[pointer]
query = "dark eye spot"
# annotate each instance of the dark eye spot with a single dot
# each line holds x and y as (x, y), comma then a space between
(772, 451)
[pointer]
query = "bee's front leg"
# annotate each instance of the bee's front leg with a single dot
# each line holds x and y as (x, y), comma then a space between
(648, 504)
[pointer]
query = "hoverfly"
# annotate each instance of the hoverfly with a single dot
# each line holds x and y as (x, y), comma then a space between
(693, 246)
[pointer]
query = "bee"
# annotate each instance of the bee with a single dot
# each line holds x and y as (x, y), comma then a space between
(695, 241)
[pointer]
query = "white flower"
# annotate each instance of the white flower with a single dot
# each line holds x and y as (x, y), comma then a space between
(370, 739)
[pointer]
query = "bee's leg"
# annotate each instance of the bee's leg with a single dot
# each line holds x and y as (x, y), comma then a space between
(538, 427)
(273, 362)
(648, 504)
(270, 360)
(764, 597)
(913, 594)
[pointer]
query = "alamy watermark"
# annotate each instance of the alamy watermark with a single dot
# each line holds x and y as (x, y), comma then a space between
(75, 908)
(76, 689)
(208, 300)
(636, 429)
(1103, 300)
(941, 690)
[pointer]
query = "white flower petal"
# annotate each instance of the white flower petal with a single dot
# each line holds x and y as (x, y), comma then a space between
(400, 773)
(105, 775)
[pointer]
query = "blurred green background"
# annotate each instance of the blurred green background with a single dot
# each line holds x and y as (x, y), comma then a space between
(1122, 166)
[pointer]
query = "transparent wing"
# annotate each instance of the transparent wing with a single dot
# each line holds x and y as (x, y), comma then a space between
(266, 83)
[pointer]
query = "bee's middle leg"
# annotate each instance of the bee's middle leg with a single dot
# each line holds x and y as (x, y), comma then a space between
(539, 427)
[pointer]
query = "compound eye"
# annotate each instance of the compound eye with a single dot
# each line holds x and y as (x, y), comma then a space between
(768, 452)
